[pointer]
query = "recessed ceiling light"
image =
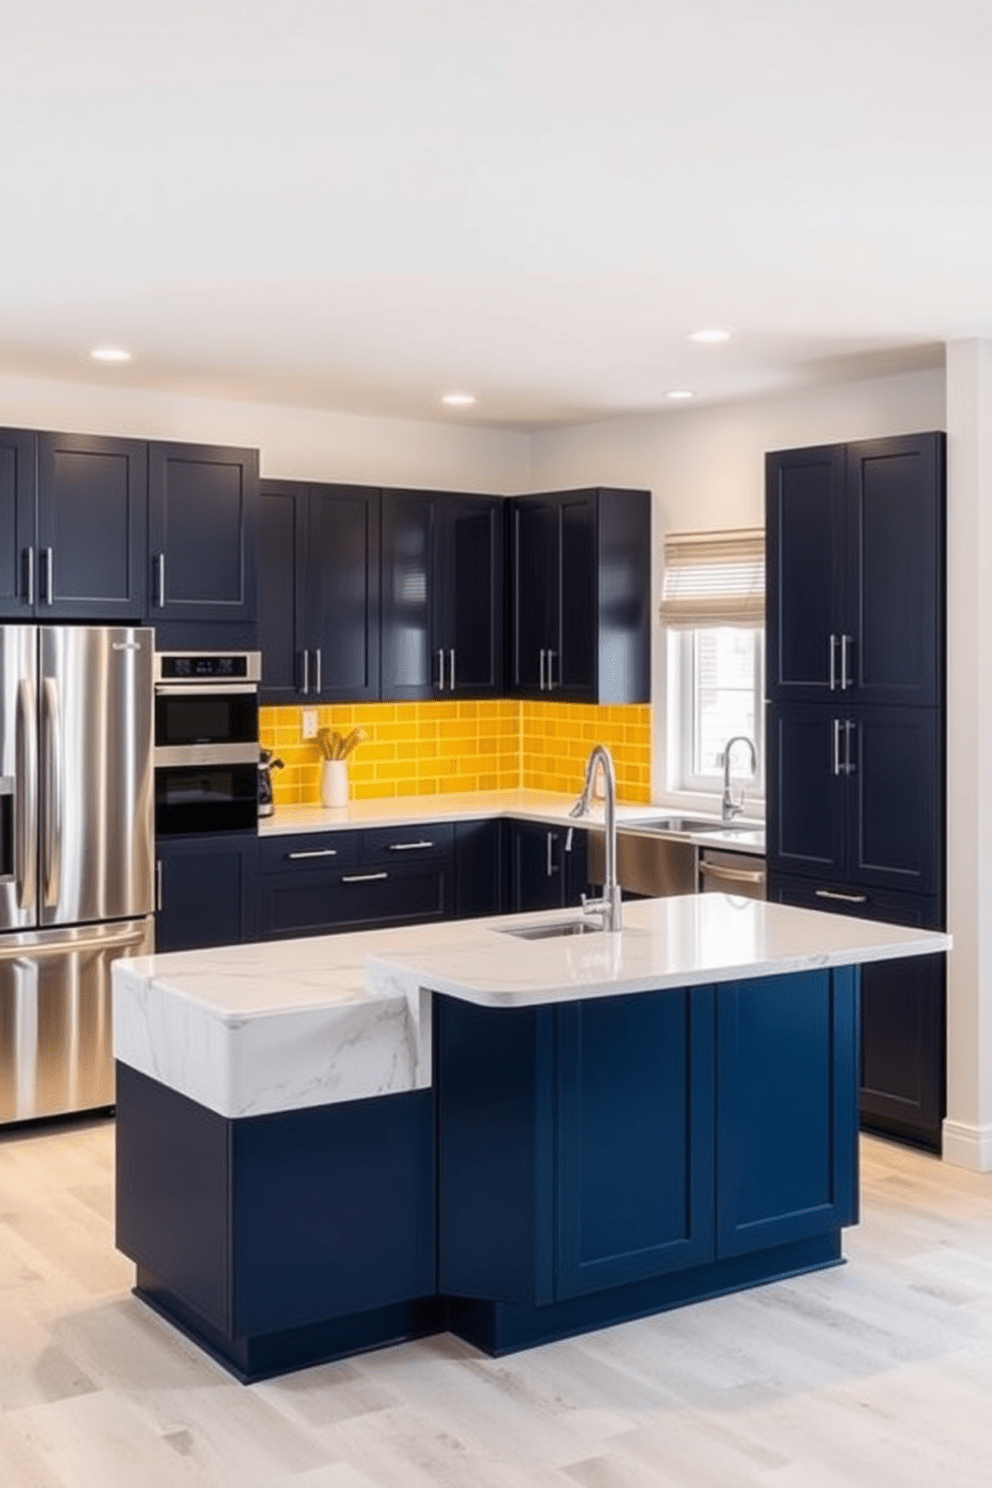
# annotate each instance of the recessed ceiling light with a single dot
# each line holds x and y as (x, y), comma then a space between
(458, 400)
(709, 337)
(680, 395)
(110, 354)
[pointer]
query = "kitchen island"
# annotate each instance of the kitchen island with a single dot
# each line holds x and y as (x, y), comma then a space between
(332, 1144)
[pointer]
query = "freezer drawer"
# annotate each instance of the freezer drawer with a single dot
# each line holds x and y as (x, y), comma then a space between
(55, 1036)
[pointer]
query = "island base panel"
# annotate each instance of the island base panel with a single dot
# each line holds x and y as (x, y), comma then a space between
(499, 1328)
(268, 1355)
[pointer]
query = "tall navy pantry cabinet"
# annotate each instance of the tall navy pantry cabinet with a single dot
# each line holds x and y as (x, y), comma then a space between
(855, 791)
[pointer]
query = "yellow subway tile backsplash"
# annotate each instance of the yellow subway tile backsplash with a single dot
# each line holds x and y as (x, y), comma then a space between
(435, 748)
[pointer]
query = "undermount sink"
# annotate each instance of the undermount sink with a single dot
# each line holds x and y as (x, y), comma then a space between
(551, 931)
(689, 824)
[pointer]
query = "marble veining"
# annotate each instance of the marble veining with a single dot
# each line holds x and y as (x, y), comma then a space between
(283, 1025)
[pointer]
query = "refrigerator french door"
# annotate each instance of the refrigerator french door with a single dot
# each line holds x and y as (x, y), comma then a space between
(76, 855)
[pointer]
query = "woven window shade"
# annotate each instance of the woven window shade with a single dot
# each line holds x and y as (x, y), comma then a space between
(714, 578)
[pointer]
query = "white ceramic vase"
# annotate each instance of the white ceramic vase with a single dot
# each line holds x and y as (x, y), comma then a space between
(334, 783)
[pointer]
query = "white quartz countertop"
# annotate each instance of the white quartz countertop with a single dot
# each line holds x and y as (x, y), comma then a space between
(283, 1025)
(541, 806)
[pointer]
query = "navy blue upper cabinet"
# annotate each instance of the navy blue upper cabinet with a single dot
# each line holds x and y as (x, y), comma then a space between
(18, 521)
(203, 533)
(580, 580)
(319, 592)
(442, 586)
(73, 523)
(855, 578)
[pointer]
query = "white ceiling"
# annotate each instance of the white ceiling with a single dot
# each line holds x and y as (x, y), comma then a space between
(363, 204)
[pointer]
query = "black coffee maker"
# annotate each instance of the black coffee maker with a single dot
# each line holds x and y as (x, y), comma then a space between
(266, 764)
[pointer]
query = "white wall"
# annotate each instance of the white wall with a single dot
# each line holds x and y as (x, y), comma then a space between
(295, 443)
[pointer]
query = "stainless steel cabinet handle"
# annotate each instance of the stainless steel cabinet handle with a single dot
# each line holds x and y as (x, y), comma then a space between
(52, 791)
(306, 673)
(440, 669)
(29, 554)
(408, 846)
(160, 580)
(49, 595)
(550, 859)
(543, 654)
(25, 796)
(845, 681)
(849, 727)
(833, 662)
(551, 670)
(158, 885)
(322, 852)
(568, 839)
(317, 669)
(451, 669)
(362, 877)
(847, 898)
(838, 768)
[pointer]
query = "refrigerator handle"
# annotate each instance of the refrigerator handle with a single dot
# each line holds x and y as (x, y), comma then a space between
(26, 796)
(53, 792)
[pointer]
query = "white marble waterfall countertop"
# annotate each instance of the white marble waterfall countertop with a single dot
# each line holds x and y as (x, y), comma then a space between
(252, 1029)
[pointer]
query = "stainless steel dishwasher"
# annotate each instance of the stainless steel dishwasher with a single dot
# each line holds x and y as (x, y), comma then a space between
(647, 862)
(742, 874)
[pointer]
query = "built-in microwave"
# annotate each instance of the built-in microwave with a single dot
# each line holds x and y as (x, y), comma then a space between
(206, 742)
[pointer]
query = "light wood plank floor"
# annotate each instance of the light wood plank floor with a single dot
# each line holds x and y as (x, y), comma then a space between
(876, 1373)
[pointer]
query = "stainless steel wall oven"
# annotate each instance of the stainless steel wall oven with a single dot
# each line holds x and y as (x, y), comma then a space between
(206, 742)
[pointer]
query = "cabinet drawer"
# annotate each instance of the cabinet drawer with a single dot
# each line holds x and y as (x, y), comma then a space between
(390, 846)
(307, 852)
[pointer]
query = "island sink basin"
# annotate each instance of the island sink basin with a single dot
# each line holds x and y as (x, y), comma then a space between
(550, 932)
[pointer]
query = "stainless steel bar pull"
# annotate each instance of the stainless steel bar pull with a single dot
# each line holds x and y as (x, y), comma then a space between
(29, 574)
(160, 580)
(306, 673)
(317, 668)
(52, 788)
(408, 846)
(838, 767)
(543, 655)
(833, 662)
(321, 852)
(363, 877)
(845, 681)
(846, 898)
(451, 669)
(551, 666)
(26, 796)
(49, 594)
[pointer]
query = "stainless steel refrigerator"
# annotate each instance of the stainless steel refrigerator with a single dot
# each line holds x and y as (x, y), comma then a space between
(76, 855)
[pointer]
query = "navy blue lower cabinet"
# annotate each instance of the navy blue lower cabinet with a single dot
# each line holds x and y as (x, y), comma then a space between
(634, 1139)
(786, 1109)
(277, 1241)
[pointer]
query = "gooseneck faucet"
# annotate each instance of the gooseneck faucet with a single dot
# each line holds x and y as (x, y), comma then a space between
(729, 808)
(609, 905)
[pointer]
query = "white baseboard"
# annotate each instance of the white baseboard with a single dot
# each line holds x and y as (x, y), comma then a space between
(967, 1146)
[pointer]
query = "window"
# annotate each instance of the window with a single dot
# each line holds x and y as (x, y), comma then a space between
(713, 607)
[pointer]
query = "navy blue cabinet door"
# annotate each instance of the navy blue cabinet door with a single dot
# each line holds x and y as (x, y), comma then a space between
(806, 793)
(855, 572)
(411, 667)
(207, 891)
(284, 509)
(18, 539)
(92, 528)
(342, 603)
(786, 1124)
(894, 599)
(635, 1144)
(471, 574)
(203, 533)
(806, 552)
(536, 589)
(547, 866)
(481, 885)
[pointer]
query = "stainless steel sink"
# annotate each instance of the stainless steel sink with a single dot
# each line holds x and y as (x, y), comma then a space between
(689, 824)
(553, 930)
